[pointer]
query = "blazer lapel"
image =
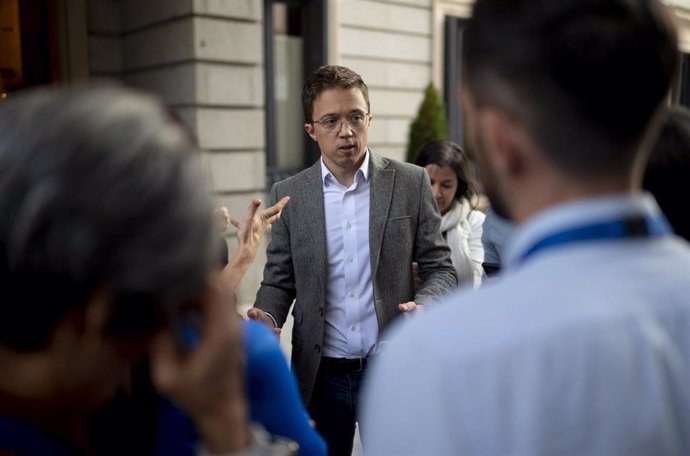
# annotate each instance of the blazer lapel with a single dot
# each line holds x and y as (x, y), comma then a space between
(313, 218)
(381, 193)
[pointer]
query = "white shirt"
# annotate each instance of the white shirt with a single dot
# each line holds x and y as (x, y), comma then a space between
(582, 349)
(351, 326)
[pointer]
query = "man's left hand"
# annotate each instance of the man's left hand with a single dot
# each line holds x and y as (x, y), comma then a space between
(410, 308)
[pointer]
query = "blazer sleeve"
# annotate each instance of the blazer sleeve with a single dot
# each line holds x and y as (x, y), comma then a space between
(277, 290)
(431, 250)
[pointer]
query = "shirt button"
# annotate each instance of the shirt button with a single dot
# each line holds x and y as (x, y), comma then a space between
(352, 328)
(348, 226)
(349, 260)
(352, 295)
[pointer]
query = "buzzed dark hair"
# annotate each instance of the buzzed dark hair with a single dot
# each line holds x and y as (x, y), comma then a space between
(329, 77)
(584, 77)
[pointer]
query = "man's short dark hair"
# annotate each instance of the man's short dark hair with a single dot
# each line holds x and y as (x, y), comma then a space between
(667, 175)
(99, 190)
(584, 77)
(329, 77)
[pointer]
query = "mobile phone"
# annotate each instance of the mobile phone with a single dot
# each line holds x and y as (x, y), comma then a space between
(187, 324)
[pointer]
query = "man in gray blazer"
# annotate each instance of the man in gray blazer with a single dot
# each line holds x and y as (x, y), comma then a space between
(343, 252)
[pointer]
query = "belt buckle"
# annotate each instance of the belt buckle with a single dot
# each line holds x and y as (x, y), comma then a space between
(361, 364)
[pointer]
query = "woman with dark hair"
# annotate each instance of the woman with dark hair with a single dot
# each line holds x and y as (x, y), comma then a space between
(455, 190)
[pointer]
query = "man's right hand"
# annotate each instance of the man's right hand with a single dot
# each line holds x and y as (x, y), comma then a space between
(261, 316)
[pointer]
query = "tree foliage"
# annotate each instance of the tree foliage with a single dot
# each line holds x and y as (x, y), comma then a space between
(430, 123)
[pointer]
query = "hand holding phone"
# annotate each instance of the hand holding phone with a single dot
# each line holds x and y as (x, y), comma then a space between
(199, 363)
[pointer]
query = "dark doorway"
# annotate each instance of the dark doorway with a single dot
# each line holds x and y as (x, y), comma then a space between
(28, 44)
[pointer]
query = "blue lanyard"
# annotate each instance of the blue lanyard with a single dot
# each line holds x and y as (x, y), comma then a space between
(626, 227)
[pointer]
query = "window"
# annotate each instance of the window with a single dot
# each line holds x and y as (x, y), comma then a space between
(454, 28)
(295, 43)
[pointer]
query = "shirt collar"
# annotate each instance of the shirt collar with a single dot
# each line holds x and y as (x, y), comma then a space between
(578, 213)
(327, 175)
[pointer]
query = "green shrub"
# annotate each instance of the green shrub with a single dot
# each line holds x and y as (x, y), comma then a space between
(429, 124)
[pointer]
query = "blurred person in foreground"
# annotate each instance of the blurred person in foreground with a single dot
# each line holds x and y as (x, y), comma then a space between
(343, 251)
(583, 346)
(106, 246)
(455, 189)
(667, 176)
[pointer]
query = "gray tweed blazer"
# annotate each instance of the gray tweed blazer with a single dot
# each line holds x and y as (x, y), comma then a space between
(404, 226)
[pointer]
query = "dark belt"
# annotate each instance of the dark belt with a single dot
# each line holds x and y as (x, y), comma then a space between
(344, 365)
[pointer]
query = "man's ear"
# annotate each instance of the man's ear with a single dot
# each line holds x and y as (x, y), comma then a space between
(506, 142)
(309, 128)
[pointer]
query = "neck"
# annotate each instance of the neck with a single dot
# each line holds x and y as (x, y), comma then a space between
(345, 178)
(545, 192)
(30, 391)
(344, 175)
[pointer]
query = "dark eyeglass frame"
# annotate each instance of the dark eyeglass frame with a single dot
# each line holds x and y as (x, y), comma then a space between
(339, 123)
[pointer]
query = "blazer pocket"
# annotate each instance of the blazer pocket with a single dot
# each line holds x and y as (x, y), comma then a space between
(399, 231)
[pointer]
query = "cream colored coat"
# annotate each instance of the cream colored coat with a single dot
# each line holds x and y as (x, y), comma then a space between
(462, 227)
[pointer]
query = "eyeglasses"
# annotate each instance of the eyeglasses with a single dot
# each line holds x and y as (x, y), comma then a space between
(356, 120)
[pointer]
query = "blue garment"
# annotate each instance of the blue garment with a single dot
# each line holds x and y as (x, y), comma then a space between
(273, 399)
(21, 439)
(495, 237)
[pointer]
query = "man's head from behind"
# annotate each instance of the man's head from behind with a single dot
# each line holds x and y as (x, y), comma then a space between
(104, 225)
(582, 79)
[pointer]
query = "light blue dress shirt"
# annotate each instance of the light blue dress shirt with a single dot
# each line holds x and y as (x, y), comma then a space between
(351, 328)
(579, 349)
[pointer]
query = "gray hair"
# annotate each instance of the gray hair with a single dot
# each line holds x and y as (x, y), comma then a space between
(98, 188)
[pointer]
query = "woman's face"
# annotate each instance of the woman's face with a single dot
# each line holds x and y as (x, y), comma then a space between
(444, 183)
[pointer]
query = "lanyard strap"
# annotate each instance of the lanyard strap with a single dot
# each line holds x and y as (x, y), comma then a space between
(627, 227)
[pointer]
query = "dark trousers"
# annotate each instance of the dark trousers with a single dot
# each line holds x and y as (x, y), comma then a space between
(334, 404)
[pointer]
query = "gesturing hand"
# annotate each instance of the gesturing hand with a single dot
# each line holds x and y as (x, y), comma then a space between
(255, 223)
(221, 219)
(251, 230)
